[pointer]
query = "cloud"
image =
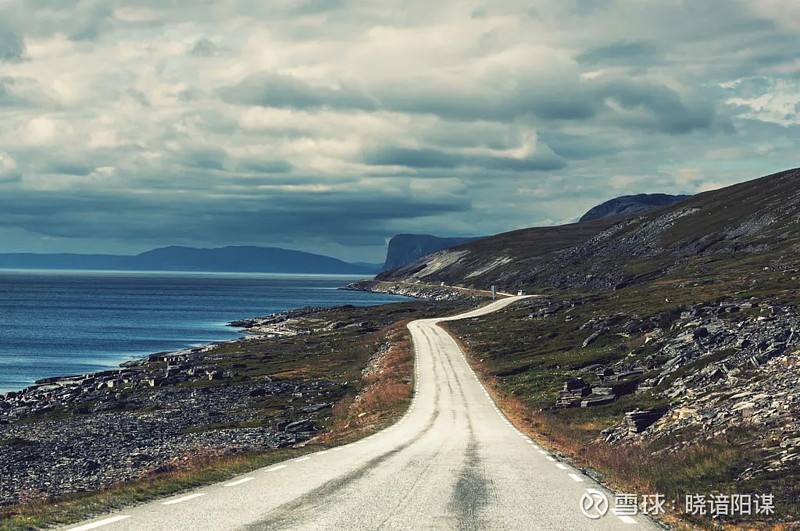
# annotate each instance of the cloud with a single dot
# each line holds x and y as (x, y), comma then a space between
(12, 46)
(271, 89)
(204, 48)
(325, 124)
(662, 107)
(9, 170)
(623, 52)
(432, 158)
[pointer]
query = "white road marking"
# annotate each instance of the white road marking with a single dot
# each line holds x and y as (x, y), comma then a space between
(551, 458)
(100, 523)
(542, 452)
(576, 477)
(322, 452)
(302, 459)
(239, 482)
(273, 469)
(337, 449)
(185, 498)
(627, 519)
(562, 466)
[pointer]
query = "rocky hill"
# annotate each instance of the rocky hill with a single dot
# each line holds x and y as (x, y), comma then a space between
(748, 225)
(630, 204)
(406, 248)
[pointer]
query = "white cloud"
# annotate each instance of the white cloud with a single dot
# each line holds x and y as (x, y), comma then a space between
(8, 168)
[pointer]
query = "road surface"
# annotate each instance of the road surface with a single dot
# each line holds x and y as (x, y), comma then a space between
(453, 462)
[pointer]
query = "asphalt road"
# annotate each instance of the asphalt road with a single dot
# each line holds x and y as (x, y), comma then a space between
(453, 462)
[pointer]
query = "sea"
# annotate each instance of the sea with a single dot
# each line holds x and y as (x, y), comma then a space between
(55, 323)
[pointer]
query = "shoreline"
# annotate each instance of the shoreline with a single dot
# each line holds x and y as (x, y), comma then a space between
(263, 391)
(127, 359)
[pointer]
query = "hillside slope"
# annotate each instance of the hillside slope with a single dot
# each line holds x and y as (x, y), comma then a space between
(630, 204)
(752, 224)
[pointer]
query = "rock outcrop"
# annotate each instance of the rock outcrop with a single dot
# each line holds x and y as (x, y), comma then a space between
(406, 248)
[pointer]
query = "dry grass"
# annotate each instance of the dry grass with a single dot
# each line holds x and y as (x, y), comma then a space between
(387, 391)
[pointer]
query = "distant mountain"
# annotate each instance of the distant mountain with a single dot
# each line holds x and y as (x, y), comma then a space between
(225, 259)
(405, 248)
(630, 204)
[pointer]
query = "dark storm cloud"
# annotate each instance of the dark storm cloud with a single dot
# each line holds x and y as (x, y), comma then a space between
(622, 53)
(204, 48)
(665, 109)
(345, 219)
(65, 167)
(576, 147)
(209, 158)
(432, 158)
(91, 21)
(264, 166)
(270, 89)
(311, 7)
(12, 47)
(281, 90)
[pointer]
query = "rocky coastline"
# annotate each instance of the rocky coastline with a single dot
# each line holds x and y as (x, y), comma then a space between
(418, 290)
(90, 431)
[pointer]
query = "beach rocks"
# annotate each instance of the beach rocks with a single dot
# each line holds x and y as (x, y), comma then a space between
(88, 431)
(415, 290)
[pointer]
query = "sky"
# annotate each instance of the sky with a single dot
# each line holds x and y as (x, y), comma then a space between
(329, 125)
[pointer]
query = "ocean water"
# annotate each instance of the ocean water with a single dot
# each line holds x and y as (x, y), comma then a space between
(59, 323)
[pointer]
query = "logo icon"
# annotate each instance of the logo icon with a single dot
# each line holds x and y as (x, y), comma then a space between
(594, 504)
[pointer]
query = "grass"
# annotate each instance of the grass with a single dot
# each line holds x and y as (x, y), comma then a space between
(526, 359)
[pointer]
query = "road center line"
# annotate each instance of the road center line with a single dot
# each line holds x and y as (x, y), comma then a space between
(562, 466)
(627, 519)
(239, 482)
(185, 498)
(100, 523)
(576, 477)
(273, 469)
(302, 459)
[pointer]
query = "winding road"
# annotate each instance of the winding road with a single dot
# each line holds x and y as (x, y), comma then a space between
(453, 462)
